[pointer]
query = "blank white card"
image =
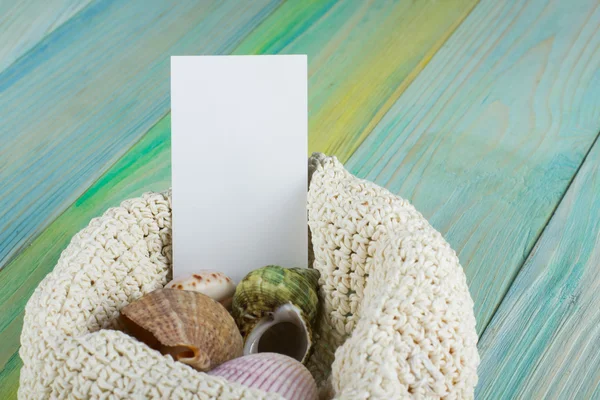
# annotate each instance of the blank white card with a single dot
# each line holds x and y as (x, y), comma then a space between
(239, 162)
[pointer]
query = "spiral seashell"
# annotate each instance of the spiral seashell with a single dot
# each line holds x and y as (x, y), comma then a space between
(275, 309)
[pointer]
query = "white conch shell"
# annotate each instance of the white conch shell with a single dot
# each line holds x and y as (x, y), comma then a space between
(213, 284)
(270, 372)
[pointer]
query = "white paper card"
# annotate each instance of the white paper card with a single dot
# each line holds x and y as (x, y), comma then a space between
(239, 162)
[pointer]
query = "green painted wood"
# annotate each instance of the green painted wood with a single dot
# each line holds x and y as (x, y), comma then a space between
(145, 167)
(24, 23)
(10, 374)
(487, 138)
(81, 98)
(362, 56)
(544, 341)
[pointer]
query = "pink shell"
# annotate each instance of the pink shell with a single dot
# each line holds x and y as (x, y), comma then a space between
(270, 372)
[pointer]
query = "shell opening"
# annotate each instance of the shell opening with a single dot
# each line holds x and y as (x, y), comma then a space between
(185, 354)
(188, 355)
(295, 344)
(178, 352)
(284, 332)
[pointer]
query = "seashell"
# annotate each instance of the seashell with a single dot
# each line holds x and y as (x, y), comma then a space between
(191, 327)
(275, 309)
(270, 372)
(214, 284)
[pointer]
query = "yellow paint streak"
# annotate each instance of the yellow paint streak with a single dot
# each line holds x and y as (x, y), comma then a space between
(399, 48)
(405, 83)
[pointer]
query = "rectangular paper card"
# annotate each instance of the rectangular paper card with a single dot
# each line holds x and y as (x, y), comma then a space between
(239, 163)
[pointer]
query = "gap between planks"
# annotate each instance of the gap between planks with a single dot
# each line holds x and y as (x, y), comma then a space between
(542, 342)
(541, 234)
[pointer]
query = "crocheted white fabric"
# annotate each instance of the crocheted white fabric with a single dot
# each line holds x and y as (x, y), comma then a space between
(396, 305)
(396, 312)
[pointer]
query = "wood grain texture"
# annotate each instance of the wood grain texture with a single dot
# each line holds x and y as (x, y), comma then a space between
(91, 89)
(24, 23)
(544, 341)
(362, 55)
(145, 167)
(487, 138)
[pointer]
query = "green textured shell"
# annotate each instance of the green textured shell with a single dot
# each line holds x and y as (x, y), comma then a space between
(264, 290)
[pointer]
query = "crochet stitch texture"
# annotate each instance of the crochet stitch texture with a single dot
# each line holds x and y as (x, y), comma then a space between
(396, 320)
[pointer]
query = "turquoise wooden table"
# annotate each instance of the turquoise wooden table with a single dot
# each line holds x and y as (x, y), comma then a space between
(484, 114)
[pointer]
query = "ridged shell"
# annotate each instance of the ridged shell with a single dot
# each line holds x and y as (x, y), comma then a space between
(271, 372)
(190, 326)
(265, 290)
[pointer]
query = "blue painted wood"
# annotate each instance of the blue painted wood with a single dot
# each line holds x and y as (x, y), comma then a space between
(487, 138)
(24, 23)
(544, 341)
(74, 104)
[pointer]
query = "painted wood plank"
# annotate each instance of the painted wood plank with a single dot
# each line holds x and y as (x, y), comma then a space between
(362, 55)
(544, 341)
(24, 23)
(145, 167)
(10, 374)
(90, 90)
(487, 138)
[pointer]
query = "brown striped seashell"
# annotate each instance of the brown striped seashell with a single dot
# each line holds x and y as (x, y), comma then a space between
(193, 328)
